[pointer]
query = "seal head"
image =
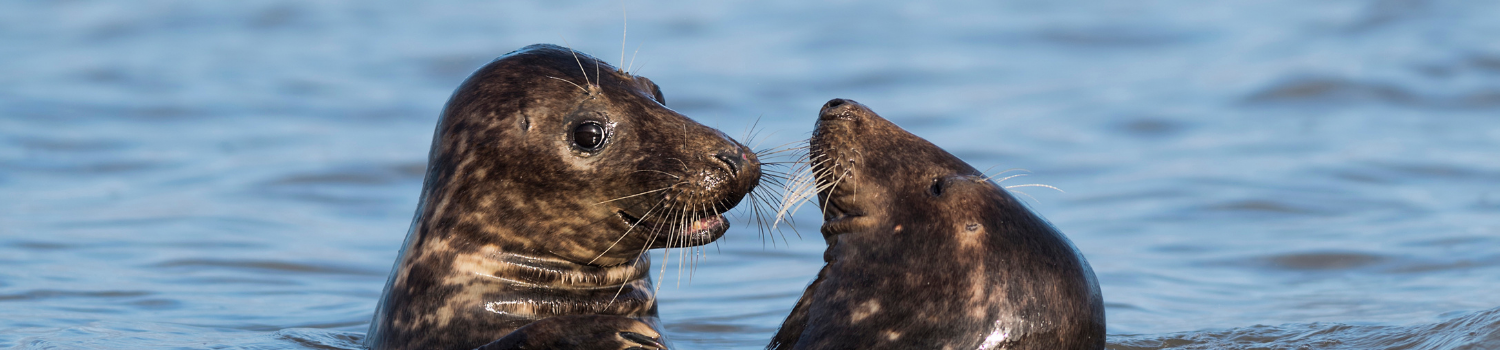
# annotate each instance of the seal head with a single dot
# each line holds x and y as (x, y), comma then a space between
(925, 252)
(550, 174)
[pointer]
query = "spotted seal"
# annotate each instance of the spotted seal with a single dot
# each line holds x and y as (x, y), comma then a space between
(924, 252)
(550, 174)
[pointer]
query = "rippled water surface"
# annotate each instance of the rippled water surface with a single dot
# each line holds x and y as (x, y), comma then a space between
(1241, 174)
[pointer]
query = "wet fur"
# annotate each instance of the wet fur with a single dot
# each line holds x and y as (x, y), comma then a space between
(925, 252)
(516, 224)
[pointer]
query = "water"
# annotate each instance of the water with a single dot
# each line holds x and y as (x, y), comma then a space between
(1241, 174)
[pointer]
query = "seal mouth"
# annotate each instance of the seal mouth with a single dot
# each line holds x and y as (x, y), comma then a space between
(840, 213)
(834, 210)
(694, 230)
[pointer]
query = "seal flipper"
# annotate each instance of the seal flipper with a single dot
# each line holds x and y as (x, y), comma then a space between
(581, 332)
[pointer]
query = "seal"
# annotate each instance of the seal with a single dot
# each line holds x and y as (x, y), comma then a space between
(924, 252)
(550, 174)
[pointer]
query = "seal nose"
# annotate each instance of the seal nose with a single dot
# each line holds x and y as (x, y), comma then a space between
(733, 160)
(838, 108)
(743, 168)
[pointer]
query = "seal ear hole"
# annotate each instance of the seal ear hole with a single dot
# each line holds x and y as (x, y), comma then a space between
(589, 135)
(937, 187)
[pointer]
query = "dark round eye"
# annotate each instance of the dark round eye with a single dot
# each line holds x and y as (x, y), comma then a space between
(588, 135)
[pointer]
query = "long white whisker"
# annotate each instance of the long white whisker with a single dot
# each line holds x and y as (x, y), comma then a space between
(630, 69)
(570, 83)
(576, 60)
(1036, 185)
(637, 194)
(624, 31)
(627, 231)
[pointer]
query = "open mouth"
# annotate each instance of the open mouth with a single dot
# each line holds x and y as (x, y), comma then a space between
(708, 227)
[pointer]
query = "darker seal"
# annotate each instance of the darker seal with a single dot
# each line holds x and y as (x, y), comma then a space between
(924, 252)
(550, 174)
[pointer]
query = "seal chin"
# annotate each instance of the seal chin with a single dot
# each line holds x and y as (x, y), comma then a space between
(704, 230)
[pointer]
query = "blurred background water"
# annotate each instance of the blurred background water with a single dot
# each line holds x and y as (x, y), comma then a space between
(1241, 174)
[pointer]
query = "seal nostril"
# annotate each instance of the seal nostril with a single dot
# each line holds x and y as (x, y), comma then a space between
(731, 161)
(834, 103)
(839, 109)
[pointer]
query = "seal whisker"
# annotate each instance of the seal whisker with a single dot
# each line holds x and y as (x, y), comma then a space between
(644, 218)
(674, 176)
(575, 59)
(783, 148)
(751, 133)
(756, 212)
(621, 289)
(639, 194)
(624, 30)
(776, 177)
(1036, 185)
(629, 67)
(796, 191)
(1002, 172)
(627, 231)
(570, 83)
(1005, 178)
(666, 254)
(658, 225)
(682, 239)
(835, 186)
(805, 193)
(827, 184)
(773, 220)
(697, 251)
(685, 256)
(642, 67)
(680, 162)
(757, 201)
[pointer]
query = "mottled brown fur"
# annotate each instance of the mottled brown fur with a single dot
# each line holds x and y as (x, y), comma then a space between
(924, 252)
(517, 222)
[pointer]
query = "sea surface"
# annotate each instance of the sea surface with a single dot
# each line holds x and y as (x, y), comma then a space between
(1242, 174)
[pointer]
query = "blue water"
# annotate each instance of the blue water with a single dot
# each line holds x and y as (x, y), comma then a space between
(1241, 174)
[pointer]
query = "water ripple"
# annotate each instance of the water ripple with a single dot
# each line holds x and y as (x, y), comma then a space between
(269, 266)
(1480, 330)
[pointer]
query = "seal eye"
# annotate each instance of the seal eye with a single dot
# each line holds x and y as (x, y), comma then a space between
(937, 187)
(589, 135)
